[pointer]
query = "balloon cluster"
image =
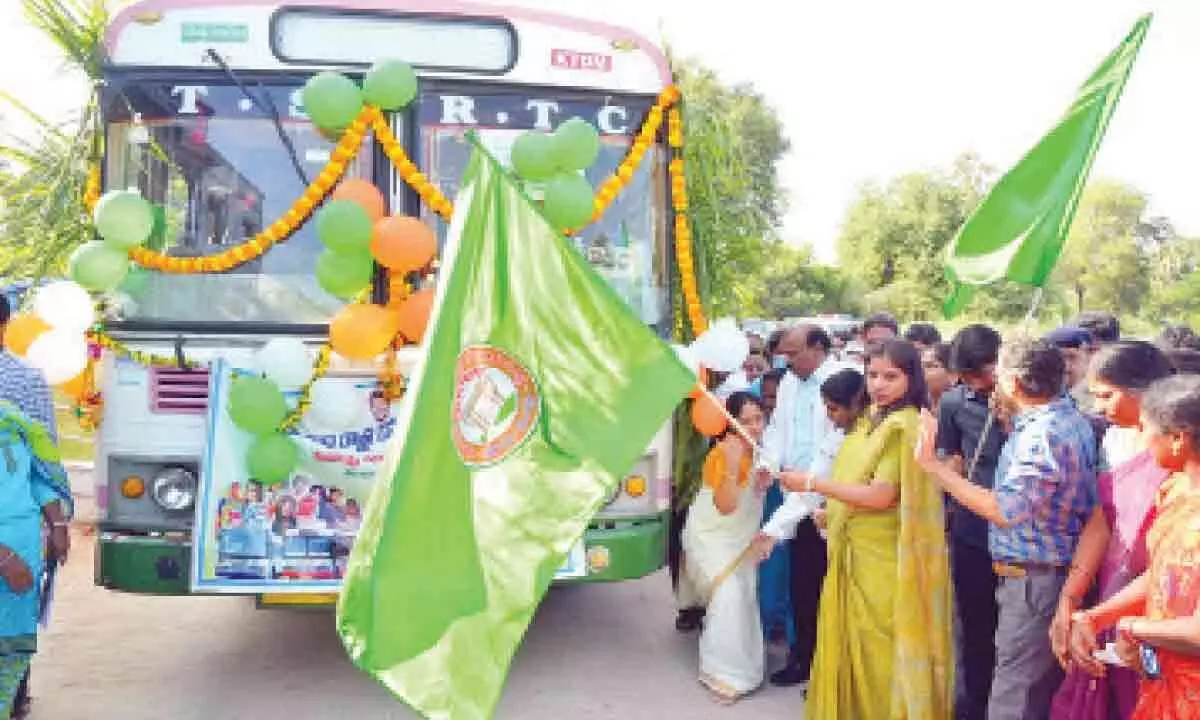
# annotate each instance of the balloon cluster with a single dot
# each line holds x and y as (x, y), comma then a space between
(355, 231)
(332, 100)
(354, 227)
(52, 337)
(124, 220)
(258, 406)
(558, 160)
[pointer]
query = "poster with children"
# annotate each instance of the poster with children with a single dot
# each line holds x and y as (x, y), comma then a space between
(295, 536)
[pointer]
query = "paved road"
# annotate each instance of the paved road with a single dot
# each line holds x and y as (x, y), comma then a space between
(593, 652)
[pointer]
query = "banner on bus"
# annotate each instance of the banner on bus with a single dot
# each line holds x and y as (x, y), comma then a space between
(294, 537)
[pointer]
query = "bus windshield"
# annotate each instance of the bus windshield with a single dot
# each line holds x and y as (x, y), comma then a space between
(212, 162)
(627, 246)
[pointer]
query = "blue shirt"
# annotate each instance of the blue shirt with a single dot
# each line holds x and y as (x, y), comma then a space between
(26, 388)
(1045, 485)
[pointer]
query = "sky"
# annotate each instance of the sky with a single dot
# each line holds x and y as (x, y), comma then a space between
(871, 89)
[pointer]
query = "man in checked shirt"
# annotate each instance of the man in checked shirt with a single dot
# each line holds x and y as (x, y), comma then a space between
(1045, 489)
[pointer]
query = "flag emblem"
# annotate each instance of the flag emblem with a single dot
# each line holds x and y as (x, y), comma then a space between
(496, 405)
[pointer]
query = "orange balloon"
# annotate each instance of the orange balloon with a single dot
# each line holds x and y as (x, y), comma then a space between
(364, 193)
(362, 331)
(74, 387)
(403, 243)
(22, 330)
(707, 416)
(414, 314)
(701, 382)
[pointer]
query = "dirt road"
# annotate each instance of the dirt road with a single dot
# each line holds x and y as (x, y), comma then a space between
(594, 652)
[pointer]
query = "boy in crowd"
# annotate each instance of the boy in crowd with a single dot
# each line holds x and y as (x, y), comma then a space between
(970, 440)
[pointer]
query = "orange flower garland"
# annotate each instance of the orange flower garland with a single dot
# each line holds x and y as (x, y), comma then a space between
(91, 190)
(683, 229)
(372, 118)
(407, 170)
(282, 228)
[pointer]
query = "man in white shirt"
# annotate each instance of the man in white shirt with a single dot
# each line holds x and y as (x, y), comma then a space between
(799, 430)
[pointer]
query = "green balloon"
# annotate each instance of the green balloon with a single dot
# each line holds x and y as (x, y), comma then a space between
(135, 282)
(124, 218)
(331, 100)
(256, 405)
(98, 266)
(576, 144)
(344, 225)
(533, 156)
(390, 85)
(271, 459)
(342, 274)
(567, 202)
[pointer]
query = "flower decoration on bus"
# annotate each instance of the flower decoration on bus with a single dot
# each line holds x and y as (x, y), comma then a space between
(351, 221)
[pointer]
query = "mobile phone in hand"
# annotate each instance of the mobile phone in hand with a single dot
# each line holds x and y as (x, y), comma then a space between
(1150, 666)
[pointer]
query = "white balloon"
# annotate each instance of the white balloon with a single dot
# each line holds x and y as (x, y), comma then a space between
(59, 354)
(64, 305)
(723, 347)
(286, 361)
(336, 406)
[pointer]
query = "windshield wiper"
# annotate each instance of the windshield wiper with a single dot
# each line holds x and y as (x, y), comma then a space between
(268, 108)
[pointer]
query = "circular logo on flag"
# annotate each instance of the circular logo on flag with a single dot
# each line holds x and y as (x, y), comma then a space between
(496, 405)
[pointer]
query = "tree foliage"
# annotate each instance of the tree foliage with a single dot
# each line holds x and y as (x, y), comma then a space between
(732, 144)
(41, 186)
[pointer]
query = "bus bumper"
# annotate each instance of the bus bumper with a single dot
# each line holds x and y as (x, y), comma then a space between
(144, 564)
(623, 549)
(161, 565)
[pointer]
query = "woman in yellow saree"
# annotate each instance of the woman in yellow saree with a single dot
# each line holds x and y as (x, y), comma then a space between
(884, 633)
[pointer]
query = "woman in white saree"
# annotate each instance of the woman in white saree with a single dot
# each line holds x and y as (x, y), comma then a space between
(721, 527)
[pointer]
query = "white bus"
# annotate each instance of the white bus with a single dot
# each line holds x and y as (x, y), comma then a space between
(203, 114)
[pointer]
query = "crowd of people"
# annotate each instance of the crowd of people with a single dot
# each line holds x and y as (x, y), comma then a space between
(980, 528)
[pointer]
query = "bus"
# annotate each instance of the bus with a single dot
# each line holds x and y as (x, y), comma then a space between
(203, 114)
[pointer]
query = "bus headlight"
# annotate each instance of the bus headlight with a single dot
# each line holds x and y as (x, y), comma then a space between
(174, 489)
(635, 486)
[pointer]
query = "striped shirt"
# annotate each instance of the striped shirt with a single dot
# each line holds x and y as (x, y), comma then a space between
(26, 388)
(1045, 485)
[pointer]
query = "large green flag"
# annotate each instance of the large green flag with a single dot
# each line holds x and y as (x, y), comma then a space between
(1017, 232)
(538, 390)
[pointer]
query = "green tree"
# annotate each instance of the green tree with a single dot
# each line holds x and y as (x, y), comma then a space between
(733, 141)
(894, 236)
(41, 186)
(792, 285)
(1104, 266)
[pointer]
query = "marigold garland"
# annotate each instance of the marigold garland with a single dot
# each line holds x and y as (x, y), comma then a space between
(343, 153)
(281, 229)
(683, 229)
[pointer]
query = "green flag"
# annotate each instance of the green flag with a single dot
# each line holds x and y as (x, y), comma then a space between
(538, 390)
(1018, 231)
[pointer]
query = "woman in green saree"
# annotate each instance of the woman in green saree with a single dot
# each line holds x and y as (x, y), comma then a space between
(884, 634)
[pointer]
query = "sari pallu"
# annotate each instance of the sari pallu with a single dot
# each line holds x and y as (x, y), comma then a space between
(884, 645)
(1174, 592)
(31, 477)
